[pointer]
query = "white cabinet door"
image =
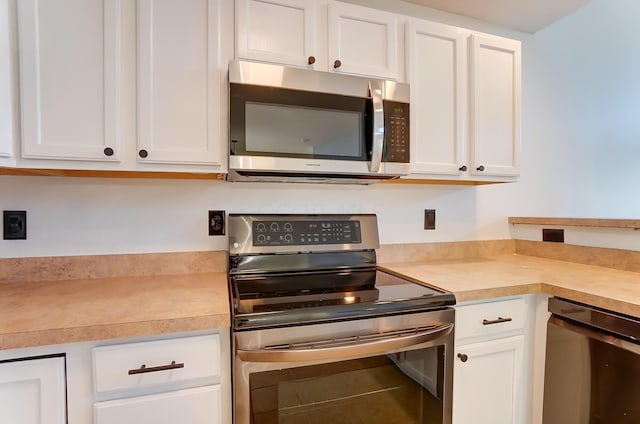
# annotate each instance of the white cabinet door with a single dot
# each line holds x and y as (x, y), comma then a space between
(201, 405)
(436, 67)
(6, 83)
(487, 379)
(279, 31)
(33, 391)
(179, 81)
(495, 106)
(70, 78)
(362, 41)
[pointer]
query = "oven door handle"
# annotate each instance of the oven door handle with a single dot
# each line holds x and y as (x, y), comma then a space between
(379, 346)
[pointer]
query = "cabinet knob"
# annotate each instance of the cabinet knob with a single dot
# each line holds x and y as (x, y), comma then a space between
(463, 357)
(337, 64)
(143, 153)
(108, 151)
(312, 60)
(463, 168)
(480, 168)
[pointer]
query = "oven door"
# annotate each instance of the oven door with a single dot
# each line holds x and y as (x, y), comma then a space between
(381, 370)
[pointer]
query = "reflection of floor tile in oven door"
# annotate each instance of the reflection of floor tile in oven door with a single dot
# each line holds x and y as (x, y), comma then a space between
(371, 395)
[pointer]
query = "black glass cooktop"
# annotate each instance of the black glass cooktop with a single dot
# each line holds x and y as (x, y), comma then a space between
(279, 299)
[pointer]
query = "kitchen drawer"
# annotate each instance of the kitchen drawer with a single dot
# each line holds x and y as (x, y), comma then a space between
(201, 405)
(490, 318)
(135, 365)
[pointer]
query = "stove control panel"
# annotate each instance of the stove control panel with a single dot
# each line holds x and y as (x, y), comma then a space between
(305, 233)
(265, 234)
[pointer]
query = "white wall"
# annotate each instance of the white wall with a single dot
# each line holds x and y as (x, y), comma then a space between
(76, 216)
(580, 150)
(581, 115)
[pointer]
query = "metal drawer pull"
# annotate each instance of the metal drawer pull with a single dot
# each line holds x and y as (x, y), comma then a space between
(143, 368)
(495, 321)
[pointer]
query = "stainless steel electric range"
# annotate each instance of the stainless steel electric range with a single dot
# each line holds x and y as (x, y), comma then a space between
(321, 334)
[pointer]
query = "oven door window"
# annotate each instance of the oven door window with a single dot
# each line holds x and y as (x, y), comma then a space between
(268, 121)
(404, 387)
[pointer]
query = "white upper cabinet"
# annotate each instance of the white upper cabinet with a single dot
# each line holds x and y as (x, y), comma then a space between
(495, 106)
(279, 31)
(138, 84)
(319, 34)
(70, 78)
(436, 63)
(33, 391)
(6, 83)
(362, 41)
(465, 103)
(178, 81)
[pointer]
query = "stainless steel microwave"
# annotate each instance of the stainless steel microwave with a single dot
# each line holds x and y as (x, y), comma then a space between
(300, 125)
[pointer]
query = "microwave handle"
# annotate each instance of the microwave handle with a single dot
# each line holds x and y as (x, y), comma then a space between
(375, 88)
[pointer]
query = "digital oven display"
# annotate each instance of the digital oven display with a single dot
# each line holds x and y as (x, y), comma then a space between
(305, 233)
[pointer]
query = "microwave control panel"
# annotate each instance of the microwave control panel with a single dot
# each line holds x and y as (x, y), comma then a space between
(396, 137)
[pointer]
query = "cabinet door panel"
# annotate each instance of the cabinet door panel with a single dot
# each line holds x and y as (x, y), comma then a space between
(364, 40)
(70, 78)
(436, 64)
(486, 386)
(279, 31)
(33, 391)
(193, 406)
(6, 102)
(178, 84)
(495, 106)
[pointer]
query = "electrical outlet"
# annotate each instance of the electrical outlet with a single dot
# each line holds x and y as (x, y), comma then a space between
(216, 223)
(429, 219)
(14, 225)
(555, 235)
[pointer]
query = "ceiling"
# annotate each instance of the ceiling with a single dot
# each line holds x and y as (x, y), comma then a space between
(522, 15)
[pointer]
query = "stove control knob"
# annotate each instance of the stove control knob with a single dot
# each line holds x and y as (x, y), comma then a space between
(275, 227)
(288, 237)
(261, 227)
(261, 238)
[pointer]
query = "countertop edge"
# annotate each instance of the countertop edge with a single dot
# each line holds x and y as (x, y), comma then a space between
(57, 336)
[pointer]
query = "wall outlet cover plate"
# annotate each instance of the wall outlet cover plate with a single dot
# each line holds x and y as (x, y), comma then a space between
(14, 225)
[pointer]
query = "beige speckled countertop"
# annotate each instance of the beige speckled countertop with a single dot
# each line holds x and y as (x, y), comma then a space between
(512, 274)
(95, 306)
(64, 311)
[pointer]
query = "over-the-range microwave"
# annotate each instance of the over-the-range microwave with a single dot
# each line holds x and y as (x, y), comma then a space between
(300, 125)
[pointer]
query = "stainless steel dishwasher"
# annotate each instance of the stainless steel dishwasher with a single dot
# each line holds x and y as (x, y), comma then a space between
(592, 372)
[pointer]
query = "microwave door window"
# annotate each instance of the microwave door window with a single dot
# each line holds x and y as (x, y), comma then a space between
(294, 131)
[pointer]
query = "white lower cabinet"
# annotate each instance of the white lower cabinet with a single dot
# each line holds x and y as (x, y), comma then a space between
(160, 379)
(486, 381)
(201, 405)
(33, 391)
(178, 372)
(489, 376)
